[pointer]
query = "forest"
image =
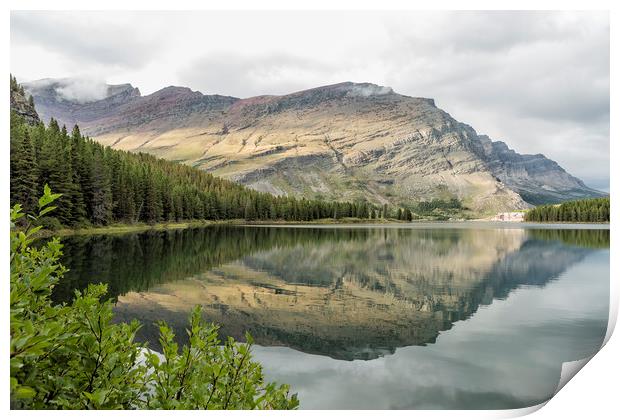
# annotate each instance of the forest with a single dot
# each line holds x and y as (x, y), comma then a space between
(100, 185)
(594, 210)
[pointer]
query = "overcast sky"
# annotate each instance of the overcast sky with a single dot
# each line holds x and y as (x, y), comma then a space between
(537, 80)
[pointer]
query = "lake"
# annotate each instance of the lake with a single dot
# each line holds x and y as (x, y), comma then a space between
(423, 315)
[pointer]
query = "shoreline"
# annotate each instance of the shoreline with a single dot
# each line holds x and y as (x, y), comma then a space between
(119, 229)
(127, 228)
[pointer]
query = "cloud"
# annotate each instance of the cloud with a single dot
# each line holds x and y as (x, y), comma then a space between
(80, 90)
(253, 74)
(539, 64)
(86, 38)
(83, 90)
(370, 90)
(478, 32)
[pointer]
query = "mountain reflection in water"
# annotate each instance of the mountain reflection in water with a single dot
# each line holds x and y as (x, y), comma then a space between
(347, 293)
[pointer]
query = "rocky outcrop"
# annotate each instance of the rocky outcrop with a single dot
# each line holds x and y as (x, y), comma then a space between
(351, 141)
(22, 106)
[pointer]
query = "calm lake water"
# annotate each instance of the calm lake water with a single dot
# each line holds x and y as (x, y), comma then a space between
(449, 316)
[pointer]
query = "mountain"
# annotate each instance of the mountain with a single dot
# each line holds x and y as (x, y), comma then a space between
(349, 141)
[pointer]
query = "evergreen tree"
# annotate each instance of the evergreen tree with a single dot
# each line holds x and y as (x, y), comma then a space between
(249, 213)
(77, 176)
(24, 173)
(55, 170)
(100, 191)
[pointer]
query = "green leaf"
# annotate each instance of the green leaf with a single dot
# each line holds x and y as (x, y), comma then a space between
(46, 210)
(24, 393)
(47, 197)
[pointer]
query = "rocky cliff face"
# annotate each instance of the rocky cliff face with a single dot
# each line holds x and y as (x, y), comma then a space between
(21, 105)
(537, 179)
(347, 141)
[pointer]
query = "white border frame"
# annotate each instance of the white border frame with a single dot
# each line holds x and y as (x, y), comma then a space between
(592, 393)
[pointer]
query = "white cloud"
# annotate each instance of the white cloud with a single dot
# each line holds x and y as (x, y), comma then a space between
(87, 37)
(253, 75)
(83, 90)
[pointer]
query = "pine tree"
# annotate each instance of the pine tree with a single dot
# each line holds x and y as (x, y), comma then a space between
(101, 193)
(77, 174)
(249, 213)
(24, 179)
(55, 170)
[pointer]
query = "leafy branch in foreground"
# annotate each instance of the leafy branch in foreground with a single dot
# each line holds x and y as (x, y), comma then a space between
(74, 357)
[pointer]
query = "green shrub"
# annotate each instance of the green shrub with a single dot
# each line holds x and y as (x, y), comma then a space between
(73, 357)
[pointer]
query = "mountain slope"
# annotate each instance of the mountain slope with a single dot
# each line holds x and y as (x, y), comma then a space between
(349, 141)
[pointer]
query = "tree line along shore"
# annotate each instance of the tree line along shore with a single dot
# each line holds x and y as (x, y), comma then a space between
(592, 210)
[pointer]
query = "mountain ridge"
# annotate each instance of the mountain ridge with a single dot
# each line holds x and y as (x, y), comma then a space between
(354, 141)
